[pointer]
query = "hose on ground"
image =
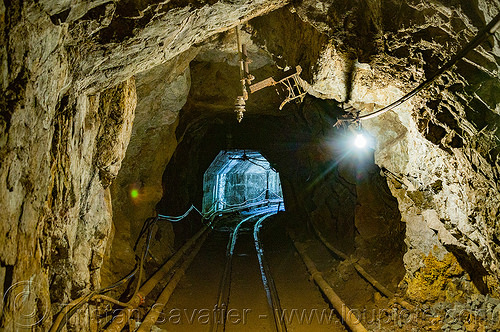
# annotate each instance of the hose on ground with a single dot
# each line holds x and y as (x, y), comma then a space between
(121, 320)
(154, 313)
(70, 309)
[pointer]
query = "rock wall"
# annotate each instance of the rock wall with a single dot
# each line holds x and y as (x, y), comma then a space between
(59, 152)
(67, 212)
(161, 93)
(440, 150)
(67, 105)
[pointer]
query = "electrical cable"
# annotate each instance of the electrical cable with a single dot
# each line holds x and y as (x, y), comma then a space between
(253, 160)
(111, 300)
(145, 227)
(211, 211)
(265, 168)
(75, 305)
(120, 282)
(143, 257)
(489, 30)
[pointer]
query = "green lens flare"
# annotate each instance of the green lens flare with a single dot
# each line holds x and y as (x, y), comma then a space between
(134, 193)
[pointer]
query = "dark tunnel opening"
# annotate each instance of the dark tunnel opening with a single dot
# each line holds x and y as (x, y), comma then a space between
(329, 186)
(333, 191)
(108, 182)
(240, 180)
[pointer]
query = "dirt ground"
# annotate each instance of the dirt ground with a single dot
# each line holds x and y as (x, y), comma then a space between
(193, 305)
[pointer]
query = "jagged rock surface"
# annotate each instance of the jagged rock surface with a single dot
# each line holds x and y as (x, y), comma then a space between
(441, 149)
(63, 138)
(67, 106)
(161, 92)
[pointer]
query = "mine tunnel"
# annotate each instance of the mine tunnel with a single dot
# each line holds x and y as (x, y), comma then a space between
(240, 178)
(250, 166)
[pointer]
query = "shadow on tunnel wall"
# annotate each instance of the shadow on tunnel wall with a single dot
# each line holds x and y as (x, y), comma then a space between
(325, 185)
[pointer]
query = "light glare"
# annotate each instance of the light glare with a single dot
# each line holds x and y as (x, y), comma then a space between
(360, 141)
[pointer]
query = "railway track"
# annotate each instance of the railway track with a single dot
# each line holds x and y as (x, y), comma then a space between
(250, 224)
(242, 286)
(241, 280)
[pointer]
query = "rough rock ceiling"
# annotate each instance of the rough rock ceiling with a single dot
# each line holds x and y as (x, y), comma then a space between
(134, 36)
(68, 100)
(360, 54)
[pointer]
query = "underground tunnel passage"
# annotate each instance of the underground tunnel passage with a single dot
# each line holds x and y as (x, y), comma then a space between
(240, 178)
(114, 115)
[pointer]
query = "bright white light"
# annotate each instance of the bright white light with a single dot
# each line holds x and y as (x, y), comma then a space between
(360, 141)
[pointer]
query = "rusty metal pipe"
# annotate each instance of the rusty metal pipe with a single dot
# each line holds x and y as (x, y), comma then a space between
(347, 315)
(162, 300)
(121, 320)
(368, 277)
(381, 288)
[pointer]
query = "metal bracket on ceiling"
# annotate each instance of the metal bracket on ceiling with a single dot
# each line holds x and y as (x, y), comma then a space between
(292, 82)
(292, 85)
(245, 77)
(351, 115)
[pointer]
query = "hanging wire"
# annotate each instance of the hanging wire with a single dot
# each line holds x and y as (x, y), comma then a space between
(489, 30)
(147, 228)
(265, 168)
(138, 268)
(227, 207)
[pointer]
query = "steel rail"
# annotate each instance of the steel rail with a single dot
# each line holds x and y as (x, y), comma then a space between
(225, 285)
(267, 279)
